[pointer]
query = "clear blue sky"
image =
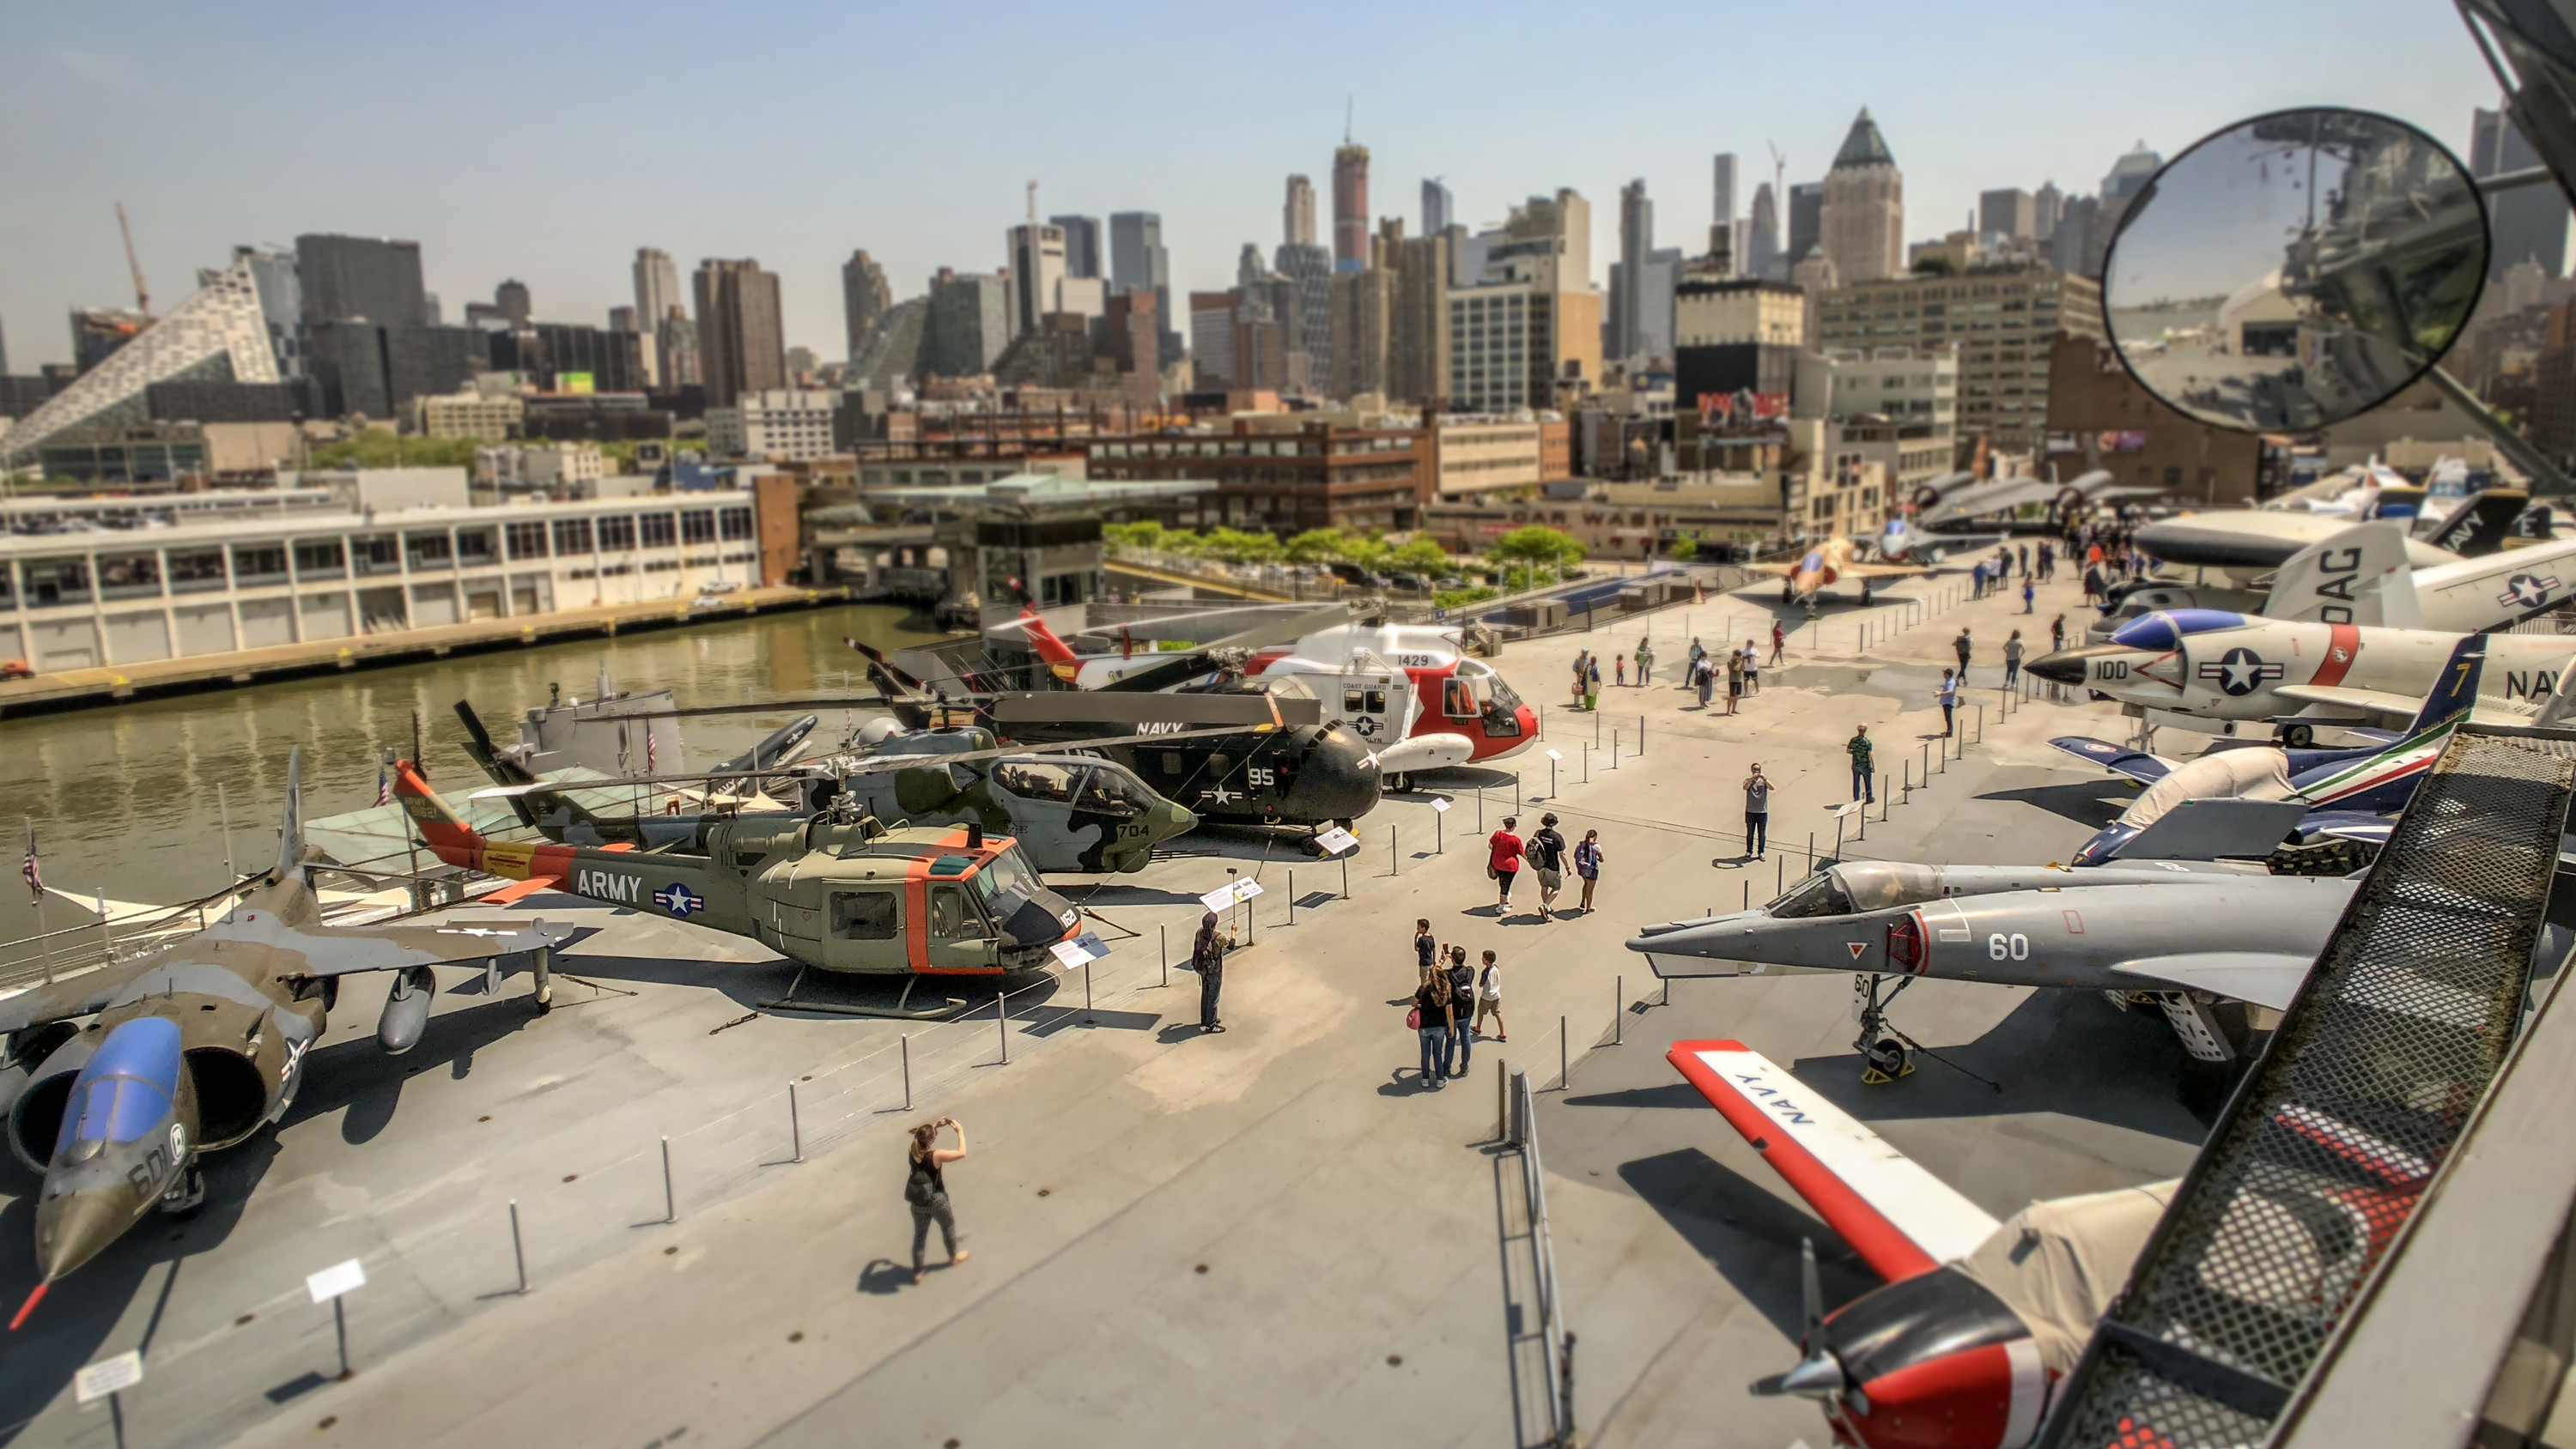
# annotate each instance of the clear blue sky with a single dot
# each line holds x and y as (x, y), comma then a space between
(547, 141)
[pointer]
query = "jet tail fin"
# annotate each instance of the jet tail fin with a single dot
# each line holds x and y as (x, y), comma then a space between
(2457, 687)
(445, 832)
(290, 833)
(2358, 576)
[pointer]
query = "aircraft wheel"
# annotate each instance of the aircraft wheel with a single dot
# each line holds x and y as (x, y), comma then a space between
(1787, 595)
(1399, 783)
(2299, 736)
(1345, 822)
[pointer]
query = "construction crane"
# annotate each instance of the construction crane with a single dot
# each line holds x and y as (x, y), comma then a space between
(142, 294)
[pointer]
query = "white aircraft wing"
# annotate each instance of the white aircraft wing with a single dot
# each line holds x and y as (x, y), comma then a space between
(2258, 977)
(1900, 1218)
(2373, 701)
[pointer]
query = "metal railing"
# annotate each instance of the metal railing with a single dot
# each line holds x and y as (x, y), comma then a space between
(1521, 1135)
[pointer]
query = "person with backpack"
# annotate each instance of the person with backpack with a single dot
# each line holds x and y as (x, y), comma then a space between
(1489, 998)
(1505, 863)
(1962, 648)
(1645, 663)
(1546, 850)
(2012, 658)
(1462, 998)
(1592, 683)
(1587, 864)
(1430, 1017)
(1207, 957)
(925, 1190)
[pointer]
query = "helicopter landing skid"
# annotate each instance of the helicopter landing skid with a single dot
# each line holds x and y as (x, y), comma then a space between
(901, 1010)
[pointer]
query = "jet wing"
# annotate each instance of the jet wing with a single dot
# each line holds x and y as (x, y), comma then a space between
(1880, 571)
(1900, 1218)
(88, 992)
(2258, 977)
(2138, 765)
(389, 948)
(2368, 701)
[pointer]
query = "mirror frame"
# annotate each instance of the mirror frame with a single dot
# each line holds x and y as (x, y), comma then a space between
(2111, 254)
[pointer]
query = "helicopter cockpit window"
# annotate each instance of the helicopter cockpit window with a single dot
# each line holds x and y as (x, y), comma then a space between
(1104, 792)
(1502, 707)
(953, 917)
(1820, 895)
(867, 915)
(1035, 781)
(1007, 874)
(1458, 701)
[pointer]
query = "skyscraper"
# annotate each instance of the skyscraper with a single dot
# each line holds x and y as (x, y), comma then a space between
(968, 324)
(1762, 238)
(2531, 222)
(361, 279)
(864, 296)
(1137, 261)
(1037, 271)
(1864, 207)
(1437, 207)
(1722, 213)
(1628, 279)
(741, 345)
(2009, 212)
(1081, 244)
(657, 285)
(2127, 179)
(1806, 220)
(1350, 207)
(2045, 204)
(1297, 216)
(512, 298)
(1308, 317)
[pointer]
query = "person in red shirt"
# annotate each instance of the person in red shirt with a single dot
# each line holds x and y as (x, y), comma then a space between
(1506, 863)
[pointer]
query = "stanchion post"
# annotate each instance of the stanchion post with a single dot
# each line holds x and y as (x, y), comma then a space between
(1002, 1021)
(1392, 866)
(1346, 877)
(1564, 1057)
(1086, 991)
(670, 1195)
(907, 1071)
(518, 1246)
(1163, 940)
(795, 1127)
(1618, 1009)
(1292, 897)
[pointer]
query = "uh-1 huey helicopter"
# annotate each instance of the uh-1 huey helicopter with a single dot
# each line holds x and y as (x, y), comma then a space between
(1068, 814)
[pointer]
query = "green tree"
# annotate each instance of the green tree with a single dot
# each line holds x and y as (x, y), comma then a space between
(1535, 554)
(1686, 547)
(1422, 556)
(1317, 545)
(1145, 535)
(1239, 547)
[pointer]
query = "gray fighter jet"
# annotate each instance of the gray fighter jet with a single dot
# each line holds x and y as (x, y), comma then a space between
(2185, 937)
(198, 1046)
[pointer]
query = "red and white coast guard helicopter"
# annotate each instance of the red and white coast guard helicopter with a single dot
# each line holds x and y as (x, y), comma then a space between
(1411, 691)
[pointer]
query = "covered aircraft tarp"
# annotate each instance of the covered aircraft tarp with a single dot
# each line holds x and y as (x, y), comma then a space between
(2059, 1264)
(2256, 774)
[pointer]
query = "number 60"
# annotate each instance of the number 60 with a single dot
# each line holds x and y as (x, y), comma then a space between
(2015, 947)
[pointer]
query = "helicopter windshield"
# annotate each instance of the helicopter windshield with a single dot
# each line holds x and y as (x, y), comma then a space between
(1111, 792)
(1008, 875)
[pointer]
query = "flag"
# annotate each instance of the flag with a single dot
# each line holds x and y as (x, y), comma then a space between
(649, 751)
(35, 877)
(384, 785)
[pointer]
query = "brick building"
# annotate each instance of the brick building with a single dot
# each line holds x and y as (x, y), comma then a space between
(1280, 476)
(2098, 417)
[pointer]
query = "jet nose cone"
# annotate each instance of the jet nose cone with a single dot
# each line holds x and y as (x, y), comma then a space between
(2067, 666)
(74, 1228)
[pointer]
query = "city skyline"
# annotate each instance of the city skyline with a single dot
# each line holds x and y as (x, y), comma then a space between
(136, 82)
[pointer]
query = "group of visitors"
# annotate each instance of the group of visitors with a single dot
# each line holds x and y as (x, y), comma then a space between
(1451, 1000)
(1740, 668)
(1546, 853)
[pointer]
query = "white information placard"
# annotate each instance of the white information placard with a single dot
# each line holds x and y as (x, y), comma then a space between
(1440, 806)
(1337, 840)
(1553, 755)
(1218, 899)
(335, 1280)
(108, 1376)
(1246, 888)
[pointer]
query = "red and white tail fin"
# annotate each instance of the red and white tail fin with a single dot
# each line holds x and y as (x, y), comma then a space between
(1061, 660)
(1900, 1218)
(441, 828)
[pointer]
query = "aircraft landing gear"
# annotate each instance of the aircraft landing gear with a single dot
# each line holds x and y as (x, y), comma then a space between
(187, 1194)
(2298, 737)
(1881, 1047)
(1399, 784)
(1865, 600)
(1788, 595)
(541, 962)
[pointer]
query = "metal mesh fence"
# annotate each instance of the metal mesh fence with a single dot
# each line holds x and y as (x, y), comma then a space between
(2324, 1154)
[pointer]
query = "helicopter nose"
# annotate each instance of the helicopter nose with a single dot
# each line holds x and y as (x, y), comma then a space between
(76, 1227)
(1182, 820)
(2072, 666)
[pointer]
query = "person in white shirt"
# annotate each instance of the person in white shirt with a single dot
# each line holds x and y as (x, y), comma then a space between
(1948, 694)
(1489, 998)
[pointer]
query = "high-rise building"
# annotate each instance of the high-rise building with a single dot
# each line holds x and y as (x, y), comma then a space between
(218, 335)
(1762, 258)
(2530, 223)
(891, 352)
(1350, 207)
(1999, 322)
(2128, 178)
(621, 319)
(1212, 336)
(512, 298)
(1081, 244)
(1534, 308)
(4, 354)
(1723, 237)
(1137, 261)
(1864, 207)
(968, 325)
(1297, 214)
(361, 279)
(1135, 335)
(2072, 243)
(864, 297)
(1308, 269)
(742, 346)
(677, 340)
(97, 332)
(1363, 312)
(1806, 220)
(2045, 204)
(1437, 207)
(1627, 290)
(1037, 273)
(1417, 337)
(657, 285)
(2009, 212)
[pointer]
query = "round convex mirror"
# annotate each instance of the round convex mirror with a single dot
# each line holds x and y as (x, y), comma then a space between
(2296, 269)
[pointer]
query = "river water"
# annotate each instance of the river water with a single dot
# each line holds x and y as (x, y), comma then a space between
(124, 797)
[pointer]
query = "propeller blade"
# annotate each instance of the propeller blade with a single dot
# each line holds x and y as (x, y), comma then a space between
(1811, 1292)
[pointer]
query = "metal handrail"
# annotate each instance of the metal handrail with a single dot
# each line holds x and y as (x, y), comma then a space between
(1560, 1363)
